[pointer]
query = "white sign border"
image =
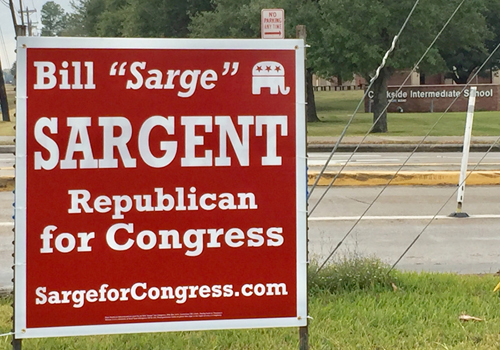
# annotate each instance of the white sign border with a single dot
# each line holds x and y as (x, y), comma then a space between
(24, 43)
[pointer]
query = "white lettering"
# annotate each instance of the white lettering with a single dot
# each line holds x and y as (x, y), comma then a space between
(47, 143)
(45, 75)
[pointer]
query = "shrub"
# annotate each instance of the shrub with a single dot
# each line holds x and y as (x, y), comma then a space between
(350, 273)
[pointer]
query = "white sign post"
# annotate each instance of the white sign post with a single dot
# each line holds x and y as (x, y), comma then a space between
(465, 156)
(272, 25)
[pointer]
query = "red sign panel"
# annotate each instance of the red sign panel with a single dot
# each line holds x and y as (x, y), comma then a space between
(160, 185)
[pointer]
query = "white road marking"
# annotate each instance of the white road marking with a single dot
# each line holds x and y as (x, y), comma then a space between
(354, 218)
(403, 217)
(389, 160)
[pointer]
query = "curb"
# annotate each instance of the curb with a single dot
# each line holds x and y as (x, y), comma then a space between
(407, 178)
(373, 178)
(373, 147)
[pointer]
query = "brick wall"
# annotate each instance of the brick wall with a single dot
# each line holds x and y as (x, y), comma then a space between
(400, 76)
(423, 98)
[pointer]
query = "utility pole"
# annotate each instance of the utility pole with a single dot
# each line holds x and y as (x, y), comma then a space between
(19, 29)
(3, 92)
(3, 97)
(27, 28)
(30, 29)
(21, 11)
(28, 24)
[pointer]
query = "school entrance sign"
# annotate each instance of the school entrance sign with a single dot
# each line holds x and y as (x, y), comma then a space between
(160, 186)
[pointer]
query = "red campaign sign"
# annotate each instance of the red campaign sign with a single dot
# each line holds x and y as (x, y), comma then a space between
(160, 185)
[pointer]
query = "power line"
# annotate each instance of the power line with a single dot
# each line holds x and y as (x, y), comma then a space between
(372, 81)
(378, 118)
(442, 207)
(475, 167)
(366, 135)
(406, 161)
(37, 19)
(4, 48)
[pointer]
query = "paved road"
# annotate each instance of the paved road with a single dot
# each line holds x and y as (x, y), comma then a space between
(366, 161)
(469, 245)
(392, 161)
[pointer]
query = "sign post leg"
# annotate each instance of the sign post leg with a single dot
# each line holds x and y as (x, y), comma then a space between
(301, 33)
(16, 344)
(304, 338)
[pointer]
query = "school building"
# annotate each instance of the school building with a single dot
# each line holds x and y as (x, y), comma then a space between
(425, 93)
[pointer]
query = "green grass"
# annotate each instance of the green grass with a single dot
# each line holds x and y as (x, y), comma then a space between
(334, 109)
(363, 312)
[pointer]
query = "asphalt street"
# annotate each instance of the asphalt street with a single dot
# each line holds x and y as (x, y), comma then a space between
(399, 215)
(467, 245)
(367, 161)
(392, 161)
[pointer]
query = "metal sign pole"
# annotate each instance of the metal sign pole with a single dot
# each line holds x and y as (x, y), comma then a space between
(16, 343)
(465, 155)
(304, 331)
(3, 97)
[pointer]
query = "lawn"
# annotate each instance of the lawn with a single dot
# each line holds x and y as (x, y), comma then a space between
(334, 109)
(353, 305)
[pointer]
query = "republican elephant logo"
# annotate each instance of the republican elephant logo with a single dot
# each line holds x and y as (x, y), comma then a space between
(269, 74)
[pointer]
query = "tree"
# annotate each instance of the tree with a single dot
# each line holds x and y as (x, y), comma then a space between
(359, 32)
(241, 19)
(163, 18)
(463, 62)
(177, 19)
(136, 18)
(54, 19)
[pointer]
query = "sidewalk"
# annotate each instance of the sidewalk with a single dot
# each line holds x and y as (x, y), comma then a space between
(381, 143)
(372, 143)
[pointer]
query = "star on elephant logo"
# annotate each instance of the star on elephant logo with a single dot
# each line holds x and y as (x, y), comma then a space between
(271, 75)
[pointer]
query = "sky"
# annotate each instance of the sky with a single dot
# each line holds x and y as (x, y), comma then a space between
(7, 34)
